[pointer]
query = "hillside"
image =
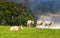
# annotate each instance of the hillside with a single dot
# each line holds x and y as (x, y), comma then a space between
(13, 14)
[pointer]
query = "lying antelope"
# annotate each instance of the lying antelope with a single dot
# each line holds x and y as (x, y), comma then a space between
(16, 28)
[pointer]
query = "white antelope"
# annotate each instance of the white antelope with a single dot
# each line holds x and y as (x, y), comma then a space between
(16, 28)
(39, 22)
(30, 23)
(48, 23)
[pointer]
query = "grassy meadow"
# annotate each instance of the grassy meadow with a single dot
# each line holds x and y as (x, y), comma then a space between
(29, 33)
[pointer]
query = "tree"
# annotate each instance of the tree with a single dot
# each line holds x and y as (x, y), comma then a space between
(14, 14)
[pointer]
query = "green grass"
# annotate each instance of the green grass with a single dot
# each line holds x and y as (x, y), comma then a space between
(28, 33)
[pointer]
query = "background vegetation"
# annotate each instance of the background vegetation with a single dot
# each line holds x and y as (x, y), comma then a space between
(14, 14)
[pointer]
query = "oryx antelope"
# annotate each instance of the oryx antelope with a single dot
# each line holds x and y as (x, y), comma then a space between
(30, 23)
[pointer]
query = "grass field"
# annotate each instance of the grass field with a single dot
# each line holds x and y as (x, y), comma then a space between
(28, 33)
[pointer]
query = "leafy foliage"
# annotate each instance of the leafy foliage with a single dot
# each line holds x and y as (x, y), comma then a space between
(14, 14)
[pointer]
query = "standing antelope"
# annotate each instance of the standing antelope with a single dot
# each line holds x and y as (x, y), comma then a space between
(39, 24)
(48, 23)
(30, 23)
